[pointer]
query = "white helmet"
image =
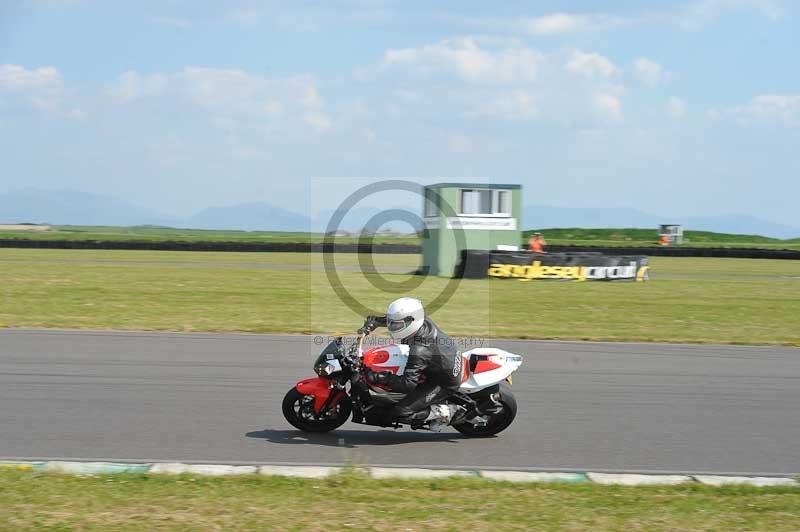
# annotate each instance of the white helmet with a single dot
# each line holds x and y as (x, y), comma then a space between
(404, 317)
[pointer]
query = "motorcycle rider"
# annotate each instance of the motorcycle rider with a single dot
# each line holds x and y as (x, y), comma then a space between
(433, 370)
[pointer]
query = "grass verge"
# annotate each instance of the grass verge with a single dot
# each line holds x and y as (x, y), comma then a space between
(31, 501)
(743, 301)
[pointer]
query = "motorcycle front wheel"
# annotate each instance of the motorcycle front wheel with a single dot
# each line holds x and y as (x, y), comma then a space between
(298, 409)
(497, 422)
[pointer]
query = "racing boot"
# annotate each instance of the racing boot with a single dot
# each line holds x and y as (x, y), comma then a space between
(415, 420)
(441, 415)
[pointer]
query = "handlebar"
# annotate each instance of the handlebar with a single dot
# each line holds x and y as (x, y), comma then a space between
(353, 353)
(371, 323)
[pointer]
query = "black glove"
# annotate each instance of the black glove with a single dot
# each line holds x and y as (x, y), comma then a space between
(371, 323)
(375, 377)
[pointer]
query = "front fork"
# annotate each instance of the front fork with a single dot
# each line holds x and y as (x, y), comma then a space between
(361, 400)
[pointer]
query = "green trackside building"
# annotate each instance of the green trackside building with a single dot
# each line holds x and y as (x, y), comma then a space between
(468, 216)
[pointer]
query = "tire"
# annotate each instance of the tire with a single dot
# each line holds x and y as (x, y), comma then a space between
(298, 412)
(498, 422)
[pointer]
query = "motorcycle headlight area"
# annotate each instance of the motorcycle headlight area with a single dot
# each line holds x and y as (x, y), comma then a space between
(328, 368)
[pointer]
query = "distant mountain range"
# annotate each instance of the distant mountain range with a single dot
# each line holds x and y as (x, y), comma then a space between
(82, 208)
(73, 207)
(252, 216)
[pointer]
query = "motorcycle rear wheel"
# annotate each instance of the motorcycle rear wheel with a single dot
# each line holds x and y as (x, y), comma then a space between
(298, 411)
(497, 422)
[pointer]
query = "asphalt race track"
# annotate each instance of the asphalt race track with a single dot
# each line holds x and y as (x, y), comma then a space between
(215, 398)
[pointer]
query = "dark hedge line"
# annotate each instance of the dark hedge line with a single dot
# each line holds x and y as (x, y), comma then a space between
(737, 253)
(289, 247)
(306, 247)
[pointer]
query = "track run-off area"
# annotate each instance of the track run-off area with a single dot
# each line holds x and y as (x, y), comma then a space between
(203, 397)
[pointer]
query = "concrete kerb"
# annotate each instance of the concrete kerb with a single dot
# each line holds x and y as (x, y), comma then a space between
(723, 480)
(318, 472)
(299, 471)
(526, 476)
(637, 480)
(415, 472)
(213, 470)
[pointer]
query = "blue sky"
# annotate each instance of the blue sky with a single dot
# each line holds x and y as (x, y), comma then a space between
(677, 108)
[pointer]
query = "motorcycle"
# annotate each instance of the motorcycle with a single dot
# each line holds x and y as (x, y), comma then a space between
(484, 403)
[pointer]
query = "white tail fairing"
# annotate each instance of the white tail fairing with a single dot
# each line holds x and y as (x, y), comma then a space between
(482, 367)
(488, 366)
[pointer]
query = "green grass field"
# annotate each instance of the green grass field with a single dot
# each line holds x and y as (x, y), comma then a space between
(744, 301)
(560, 236)
(30, 501)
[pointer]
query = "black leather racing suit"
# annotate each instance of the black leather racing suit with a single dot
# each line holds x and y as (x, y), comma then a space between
(432, 373)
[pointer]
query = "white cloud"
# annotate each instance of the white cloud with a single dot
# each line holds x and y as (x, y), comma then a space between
(590, 65)
(700, 13)
(768, 108)
(222, 87)
(244, 17)
(557, 23)
(19, 78)
(505, 80)
(132, 85)
(649, 72)
(689, 15)
(609, 106)
(516, 105)
(41, 88)
(560, 23)
(231, 95)
(465, 58)
(315, 115)
(272, 107)
(361, 74)
(318, 120)
(676, 107)
(57, 4)
(357, 107)
(311, 97)
(76, 114)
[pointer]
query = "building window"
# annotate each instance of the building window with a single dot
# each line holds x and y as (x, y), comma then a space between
(431, 202)
(465, 203)
(484, 202)
(503, 202)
